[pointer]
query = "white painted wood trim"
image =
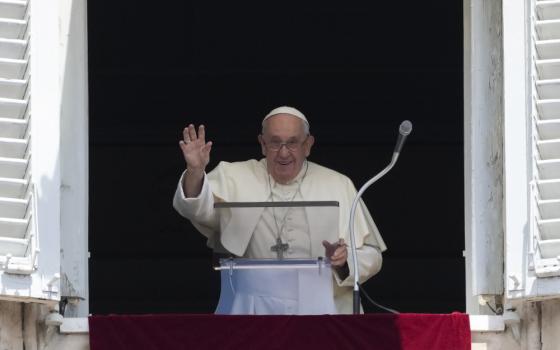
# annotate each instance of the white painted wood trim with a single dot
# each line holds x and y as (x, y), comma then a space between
(73, 325)
(74, 151)
(517, 146)
(483, 151)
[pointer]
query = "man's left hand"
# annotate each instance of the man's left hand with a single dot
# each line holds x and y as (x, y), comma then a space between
(336, 252)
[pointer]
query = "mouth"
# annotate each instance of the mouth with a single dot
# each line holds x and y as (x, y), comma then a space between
(284, 163)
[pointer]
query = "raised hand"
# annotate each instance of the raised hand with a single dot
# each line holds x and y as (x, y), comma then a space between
(195, 148)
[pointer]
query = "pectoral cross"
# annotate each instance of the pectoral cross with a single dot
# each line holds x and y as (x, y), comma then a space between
(279, 248)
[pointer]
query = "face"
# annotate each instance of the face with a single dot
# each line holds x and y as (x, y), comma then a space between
(284, 163)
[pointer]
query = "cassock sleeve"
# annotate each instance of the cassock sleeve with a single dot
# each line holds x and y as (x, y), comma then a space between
(199, 210)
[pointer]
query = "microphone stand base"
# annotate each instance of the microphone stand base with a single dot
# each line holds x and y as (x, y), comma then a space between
(356, 305)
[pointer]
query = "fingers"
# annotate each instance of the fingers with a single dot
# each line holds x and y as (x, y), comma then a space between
(339, 256)
(207, 147)
(183, 145)
(340, 253)
(189, 135)
(338, 262)
(202, 134)
(186, 137)
(192, 133)
(337, 252)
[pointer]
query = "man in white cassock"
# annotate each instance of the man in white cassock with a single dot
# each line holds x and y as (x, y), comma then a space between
(283, 175)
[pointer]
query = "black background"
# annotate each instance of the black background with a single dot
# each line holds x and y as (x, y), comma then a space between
(356, 69)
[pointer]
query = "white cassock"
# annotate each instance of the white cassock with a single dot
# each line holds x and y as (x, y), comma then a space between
(251, 237)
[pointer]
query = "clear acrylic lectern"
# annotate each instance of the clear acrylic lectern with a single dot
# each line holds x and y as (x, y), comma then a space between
(274, 283)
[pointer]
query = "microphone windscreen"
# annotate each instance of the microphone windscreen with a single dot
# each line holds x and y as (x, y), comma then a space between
(405, 128)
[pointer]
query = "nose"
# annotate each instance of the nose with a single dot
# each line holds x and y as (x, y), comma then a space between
(283, 151)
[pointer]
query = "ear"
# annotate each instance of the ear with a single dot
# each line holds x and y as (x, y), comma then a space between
(308, 144)
(263, 148)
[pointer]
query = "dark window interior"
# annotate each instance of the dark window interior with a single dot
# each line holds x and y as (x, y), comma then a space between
(356, 69)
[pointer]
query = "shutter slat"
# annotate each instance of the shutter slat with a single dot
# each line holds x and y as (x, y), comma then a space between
(549, 89)
(12, 88)
(13, 228)
(549, 129)
(13, 148)
(549, 209)
(14, 246)
(548, 69)
(12, 108)
(548, 29)
(548, 109)
(549, 189)
(550, 229)
(549, 248)
(548, 169)
(549, 149)
(548, 49)
(13, 167)
(12, 28)
(13, 188)
(548, 10)
(12, 48)
(12, 69)
(13, 9)
(13, 208)
(12, 128)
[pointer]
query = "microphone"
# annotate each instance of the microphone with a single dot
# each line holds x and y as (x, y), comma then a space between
(404, 130)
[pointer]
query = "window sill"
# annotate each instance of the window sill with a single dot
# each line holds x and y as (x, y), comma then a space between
(479, 324)
(486, 323)
(77, 325)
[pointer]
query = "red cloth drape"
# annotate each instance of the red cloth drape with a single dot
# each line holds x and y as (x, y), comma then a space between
(371, 331)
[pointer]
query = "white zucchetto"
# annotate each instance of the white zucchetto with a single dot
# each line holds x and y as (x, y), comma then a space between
(286, 110)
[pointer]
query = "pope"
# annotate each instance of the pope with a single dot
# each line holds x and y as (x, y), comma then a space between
(283, 175)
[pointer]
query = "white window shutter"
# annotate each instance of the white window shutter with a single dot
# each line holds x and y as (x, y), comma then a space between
(29, 204)
(545, 187)
(531, 53)
(18, 246)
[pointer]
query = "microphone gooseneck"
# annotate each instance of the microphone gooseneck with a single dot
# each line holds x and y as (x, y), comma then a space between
(404, 130)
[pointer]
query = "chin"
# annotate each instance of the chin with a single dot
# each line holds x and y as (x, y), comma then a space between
(284, 176)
